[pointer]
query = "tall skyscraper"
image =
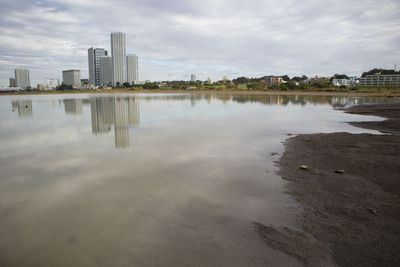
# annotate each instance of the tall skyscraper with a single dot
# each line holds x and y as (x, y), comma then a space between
(22, 78)
(132, 72)
(192, 78)
(118, 55)
(106, 71)
(94, 56)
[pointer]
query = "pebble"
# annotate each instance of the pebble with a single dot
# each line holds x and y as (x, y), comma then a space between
(372, 211)
(339, 171)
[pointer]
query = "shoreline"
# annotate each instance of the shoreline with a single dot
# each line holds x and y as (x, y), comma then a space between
(350, 218)
(234, 92)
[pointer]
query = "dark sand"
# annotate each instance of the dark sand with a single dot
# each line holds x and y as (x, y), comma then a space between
(350, 218)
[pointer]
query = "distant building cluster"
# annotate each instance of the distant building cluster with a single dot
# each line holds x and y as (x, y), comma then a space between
(104, 70)
(121, 70)
(113, 70)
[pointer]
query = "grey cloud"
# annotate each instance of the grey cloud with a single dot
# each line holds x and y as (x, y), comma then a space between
(209, 38)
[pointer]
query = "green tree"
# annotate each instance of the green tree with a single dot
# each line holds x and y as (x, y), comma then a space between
(381, 71)
(320, 84)
(291, 85)
(150, 86)
(65, 87)
(261, 85)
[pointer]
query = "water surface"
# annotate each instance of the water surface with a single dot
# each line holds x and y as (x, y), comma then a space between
(151, 180)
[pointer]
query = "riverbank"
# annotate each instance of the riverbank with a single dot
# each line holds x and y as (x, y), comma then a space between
(383, 93)
(348, 194)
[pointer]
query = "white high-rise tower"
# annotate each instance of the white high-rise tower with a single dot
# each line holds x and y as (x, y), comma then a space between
(118, 55)
(132, 68)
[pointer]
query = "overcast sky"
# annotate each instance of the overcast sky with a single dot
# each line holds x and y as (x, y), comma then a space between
(210, 38)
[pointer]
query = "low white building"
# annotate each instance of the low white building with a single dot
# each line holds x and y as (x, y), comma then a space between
(352, 81)
(51, 83)
(340, 82)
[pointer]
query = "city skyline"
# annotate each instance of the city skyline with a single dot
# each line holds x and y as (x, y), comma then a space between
(224, 38)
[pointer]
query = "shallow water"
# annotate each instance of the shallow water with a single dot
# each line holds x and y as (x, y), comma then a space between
(151, 180)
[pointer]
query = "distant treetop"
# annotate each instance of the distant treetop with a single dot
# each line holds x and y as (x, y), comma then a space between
(380, 71)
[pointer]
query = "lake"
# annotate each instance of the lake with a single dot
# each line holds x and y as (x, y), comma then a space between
(152, 179)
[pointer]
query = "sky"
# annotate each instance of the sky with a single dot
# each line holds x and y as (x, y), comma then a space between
(209, 38)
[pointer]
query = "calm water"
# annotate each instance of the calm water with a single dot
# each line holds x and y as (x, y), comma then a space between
(150, 180)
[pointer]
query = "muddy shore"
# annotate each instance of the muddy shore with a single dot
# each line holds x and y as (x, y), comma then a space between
(350, 217)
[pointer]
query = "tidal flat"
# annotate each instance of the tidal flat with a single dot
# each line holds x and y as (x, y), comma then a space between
(353, 213)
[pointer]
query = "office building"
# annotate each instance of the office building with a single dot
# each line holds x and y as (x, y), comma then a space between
(132, 73)
(118, 58)
(192, 78)
(22, 78)
(12, 82)
(94, 57)
(380, 80)
(72, 77)
(106, 71)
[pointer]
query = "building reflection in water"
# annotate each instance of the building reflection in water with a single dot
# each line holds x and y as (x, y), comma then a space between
(120, 112)
(24, 108)
(73, 106)
(123, 112)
